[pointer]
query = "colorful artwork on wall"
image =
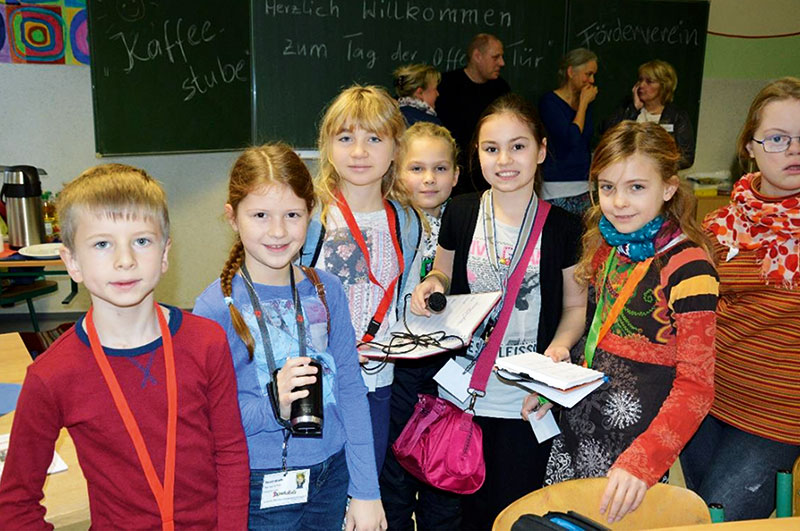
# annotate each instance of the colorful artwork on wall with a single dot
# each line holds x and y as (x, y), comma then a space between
(44, 32)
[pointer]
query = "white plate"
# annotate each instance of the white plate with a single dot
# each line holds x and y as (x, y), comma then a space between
(42, 250)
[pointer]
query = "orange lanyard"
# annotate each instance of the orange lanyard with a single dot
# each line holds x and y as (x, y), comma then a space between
(598, 332)
(388, 292)
(164, 495)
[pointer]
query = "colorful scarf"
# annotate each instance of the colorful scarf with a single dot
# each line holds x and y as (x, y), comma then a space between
(636, 246)
(771, 226)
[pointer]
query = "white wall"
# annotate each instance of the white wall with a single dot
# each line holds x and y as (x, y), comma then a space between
(46, 121)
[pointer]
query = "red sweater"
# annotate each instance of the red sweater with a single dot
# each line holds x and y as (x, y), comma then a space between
(65, 388)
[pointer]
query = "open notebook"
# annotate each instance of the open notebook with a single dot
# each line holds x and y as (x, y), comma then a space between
(461, 317)
(564, 383)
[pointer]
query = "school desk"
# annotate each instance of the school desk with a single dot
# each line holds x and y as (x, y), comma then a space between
(767, 524)
(65, 495)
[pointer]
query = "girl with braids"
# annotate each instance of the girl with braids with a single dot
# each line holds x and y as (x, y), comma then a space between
(650, 322)
(270, 197)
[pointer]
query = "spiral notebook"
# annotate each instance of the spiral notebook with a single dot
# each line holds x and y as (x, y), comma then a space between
(460, 318)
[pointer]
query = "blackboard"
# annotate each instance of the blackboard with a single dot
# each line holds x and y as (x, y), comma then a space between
(627, 33)
(182, 75)
(169, 75)
(306, 51)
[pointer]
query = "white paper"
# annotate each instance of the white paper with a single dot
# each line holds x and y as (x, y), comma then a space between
(285, 488)
(453, 378)
(461, 317)
(540, 368)
(544, 428)
(565, 398)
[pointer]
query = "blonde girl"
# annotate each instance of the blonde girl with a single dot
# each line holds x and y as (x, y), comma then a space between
(426, 163)
(365, 230)
(270, 197)
(482, 239)
(650, 322)
(754, 426)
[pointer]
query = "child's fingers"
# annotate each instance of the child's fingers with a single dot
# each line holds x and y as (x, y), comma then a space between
(608, 494)
(543, 410)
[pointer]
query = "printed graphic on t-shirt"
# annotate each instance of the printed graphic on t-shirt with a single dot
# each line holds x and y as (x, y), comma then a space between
(279, 316)
(523, 326)
(342, 257)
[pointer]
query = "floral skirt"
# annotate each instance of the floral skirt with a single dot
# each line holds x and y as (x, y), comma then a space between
(604, 424)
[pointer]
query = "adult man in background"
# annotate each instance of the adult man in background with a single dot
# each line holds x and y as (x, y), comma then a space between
(463, 96)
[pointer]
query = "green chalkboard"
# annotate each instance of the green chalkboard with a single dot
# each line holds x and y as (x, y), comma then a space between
(627, 33)
(306, 51)
(169, 75)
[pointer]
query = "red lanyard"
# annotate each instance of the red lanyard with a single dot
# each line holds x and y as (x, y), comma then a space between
(164, 495)
(388, 292)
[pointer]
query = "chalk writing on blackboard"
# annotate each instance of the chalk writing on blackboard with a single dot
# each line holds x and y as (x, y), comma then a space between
(598, 34)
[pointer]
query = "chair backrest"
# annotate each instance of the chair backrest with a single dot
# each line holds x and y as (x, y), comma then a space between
(663, 506)
(796, 488)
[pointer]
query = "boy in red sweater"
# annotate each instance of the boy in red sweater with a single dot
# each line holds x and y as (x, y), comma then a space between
(147, 392)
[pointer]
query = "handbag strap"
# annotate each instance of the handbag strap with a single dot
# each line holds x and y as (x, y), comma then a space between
(483, 368)
(435, 410)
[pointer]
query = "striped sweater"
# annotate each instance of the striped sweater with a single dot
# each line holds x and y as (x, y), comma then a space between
(757, 378)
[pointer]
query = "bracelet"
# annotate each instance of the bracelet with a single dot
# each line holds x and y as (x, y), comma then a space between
(444, 279)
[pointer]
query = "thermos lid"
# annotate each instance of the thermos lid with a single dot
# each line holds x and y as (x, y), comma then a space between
(21, 181)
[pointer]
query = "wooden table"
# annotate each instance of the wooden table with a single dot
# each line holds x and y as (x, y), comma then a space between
(767, 524)
(52, 267)
(65, 495)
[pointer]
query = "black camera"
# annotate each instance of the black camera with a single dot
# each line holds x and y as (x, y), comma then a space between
(306, 417)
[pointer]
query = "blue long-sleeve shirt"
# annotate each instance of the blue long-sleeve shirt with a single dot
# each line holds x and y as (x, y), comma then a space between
(346, 412)
(568, 154)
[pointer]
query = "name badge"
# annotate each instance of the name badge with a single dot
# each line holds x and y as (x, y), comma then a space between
(670, 128)
(454, 379)
(285, 488)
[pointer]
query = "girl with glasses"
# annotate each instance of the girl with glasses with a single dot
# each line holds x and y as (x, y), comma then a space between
(753, 428)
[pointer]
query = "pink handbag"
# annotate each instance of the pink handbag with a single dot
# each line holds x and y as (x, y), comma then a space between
(425, 447)
(441, 444)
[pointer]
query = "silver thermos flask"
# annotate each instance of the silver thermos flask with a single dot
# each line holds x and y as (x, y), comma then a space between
(22, 194)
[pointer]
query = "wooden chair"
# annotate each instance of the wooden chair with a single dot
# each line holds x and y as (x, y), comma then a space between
(27, 292)
(663, 506)
(796, 488)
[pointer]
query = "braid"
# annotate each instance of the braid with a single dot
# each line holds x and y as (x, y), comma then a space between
(232, 265)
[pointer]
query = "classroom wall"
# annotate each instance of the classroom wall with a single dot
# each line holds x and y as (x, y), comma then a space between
(46, 120)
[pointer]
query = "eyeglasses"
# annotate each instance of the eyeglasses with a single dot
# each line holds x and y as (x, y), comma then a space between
(776, 143)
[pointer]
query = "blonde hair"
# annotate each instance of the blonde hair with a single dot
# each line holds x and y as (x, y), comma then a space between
(622, 141)
(786, 88)
(117, 191)
(425, 130)
(257, 168)
(370, 108)
(664, 73)
(409, 78)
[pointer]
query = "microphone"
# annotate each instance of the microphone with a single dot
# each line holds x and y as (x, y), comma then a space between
(437, 302)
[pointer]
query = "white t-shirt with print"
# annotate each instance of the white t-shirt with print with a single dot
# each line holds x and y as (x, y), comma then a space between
(503, 400)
